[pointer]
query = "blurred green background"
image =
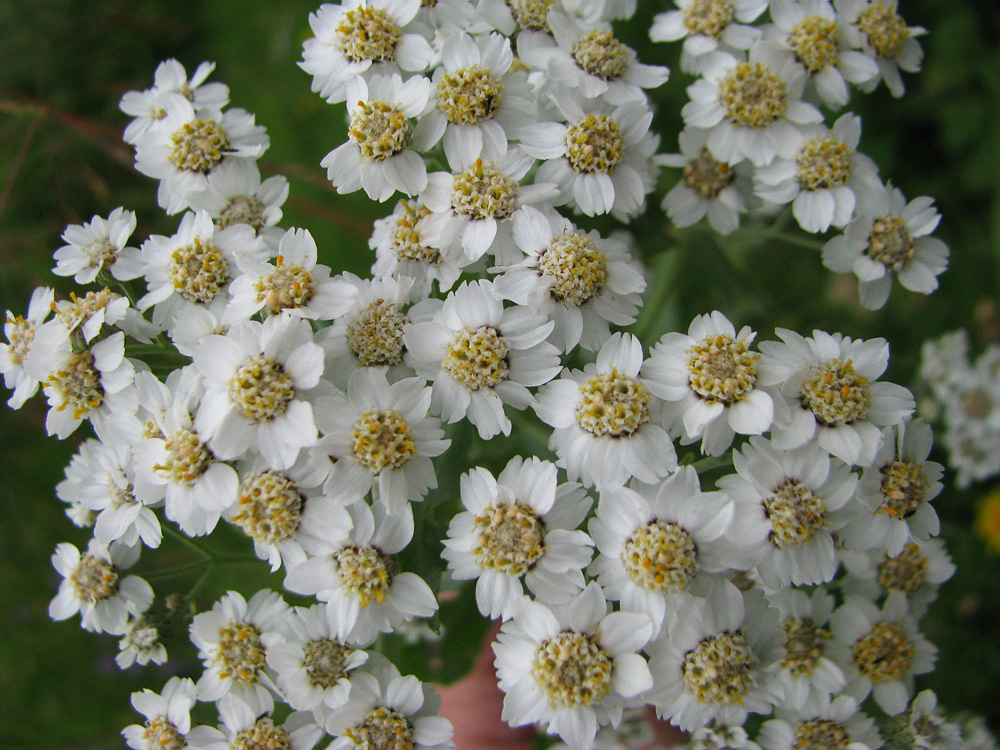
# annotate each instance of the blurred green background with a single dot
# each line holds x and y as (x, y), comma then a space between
(64, 64)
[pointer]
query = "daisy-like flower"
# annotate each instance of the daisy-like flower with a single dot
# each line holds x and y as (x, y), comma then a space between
(789, 504)
(312, 666)
(140, 644)
(99, 246)
(836, 723)
(188, 144)
(880, 651)
(369, 334)
(473, 210)
(825, 179)
(20, 332)
(581, 282)
(808, 676)
(708, 382)
(889, 237)
(656, 544)
(362, 37)
(94, 584)
(599, 157)
(607, 422)
(148, 108)
(359, 578)
(390, 710)
(168, 720)
(380, 436)
(294, 285)
(708, 187)
(88, 314)
(586, 57)
(236, 195)
(828, 388)
(752, 108)
(715, 662)
(519, 524)
(378, 155)
(481, 357)
(571, 669)
(926, 727)
(875, 27)
(257, 379)
(707, 26)
(232, 640)
(249, 724)
(194, 267)
(896, 488)
(512, 18)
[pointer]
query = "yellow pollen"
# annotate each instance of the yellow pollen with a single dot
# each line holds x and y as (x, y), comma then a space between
(261, 389)
(483, 191)
(94, 579)
(805, 642)
(718, 669)
(376, 334)
(270, 507)
(289, 287)
(572, 670)
(795, 513)
(530, 14)
(243, 209)
(575, 269)
(198, 271)
(906, 572)
(753, 95)
(366, 572)
(599, 54)
(511, 538)
(835, 394)
(823, 163)
(884, 653)
(890, 243)
(77, 385)
(240, 654)
(903, 486)
(263, 735)
(407, 237)
(721, 369)
(161, 734)
(381, 130)
(613, 404)
(708, 17)
(469, 95)
(661, 556)
(198, 146)
(382, 440)
(816, 41)
(383, 729)
(477, 358)
(821, 734)
(707, 176)
(325, 661)
(368, 33)
(884, 28)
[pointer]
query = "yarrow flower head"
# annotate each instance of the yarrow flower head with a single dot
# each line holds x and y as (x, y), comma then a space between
(97, 247)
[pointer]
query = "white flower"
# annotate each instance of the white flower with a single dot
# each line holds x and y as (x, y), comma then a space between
(708, 382)
(257, 379)
(706, 26)
(571, 669)
(20, 332)
(141, 644)
(94, 585)
(359, 579)
(927, 729)
(580, 281)
(236, 195)
(99, 246)
(896, 488)
(168, 719)
(607, 423)
(658, 544)
(89, 314)
(519, 524)
(753, 109)
(378, 155)
(380, 438)
(249, 724)
(481, 357)
(825, 179)
(883, 35)
(888, 237)
(828, 391)
(836, 723)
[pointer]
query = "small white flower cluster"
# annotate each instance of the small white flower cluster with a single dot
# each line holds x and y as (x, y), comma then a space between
(754, 137)
(964, 396)
(307, 408)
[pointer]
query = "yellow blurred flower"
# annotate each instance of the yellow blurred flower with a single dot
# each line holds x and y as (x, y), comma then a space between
(988, 520)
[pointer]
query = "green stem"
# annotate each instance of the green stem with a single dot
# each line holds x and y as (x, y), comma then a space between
(791, 239)
(656, 293)
(712, 462)
(177, 536)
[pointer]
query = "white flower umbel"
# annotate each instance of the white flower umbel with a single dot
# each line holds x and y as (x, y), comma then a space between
(390, 711)
(20, 332)
(607, 422)
(715, 661)
(599, 156)
(580, 281)
(832, 725)
(236, 195)
(889, 237)
(896, 489)
(808, 676)
(656, 544)
(362, 37)
(380, 436)
(99, 246)
(708, 187)
(94, 585)
(378, 155)
(519, 524)
(232, 640)
(828, 390)
(789, 504)
(360, 581)
(481, 357)
(168, 720)
(312, 666)
(294, 285)
(473, 210)
(708, 382)
(753, 109)
(249, 725)
(257, 378)
(875, 27)
(707, 26)
(571, 669)
(880, 651)
(187, 145)
(480, 104)
(825, 179)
